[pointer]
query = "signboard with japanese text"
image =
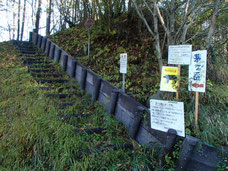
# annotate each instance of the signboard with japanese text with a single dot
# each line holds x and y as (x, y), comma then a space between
(180, 54)
(197, 71)
(123, 63)
(89, 23)
(166, 115)
(168, 79)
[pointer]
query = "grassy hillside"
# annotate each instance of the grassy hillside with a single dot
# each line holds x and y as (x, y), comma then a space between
(33, 137)
(143, 78)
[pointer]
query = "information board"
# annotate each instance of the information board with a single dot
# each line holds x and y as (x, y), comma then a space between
(180, 54)
(168, 79)
(165, 115)
(197, 71)
(123, 63)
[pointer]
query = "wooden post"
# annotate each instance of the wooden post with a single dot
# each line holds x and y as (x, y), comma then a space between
(178, 83)
(196, 108)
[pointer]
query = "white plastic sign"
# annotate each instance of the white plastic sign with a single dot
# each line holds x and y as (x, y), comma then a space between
(197, 71)
(123, 63)
(180, 54)
(165, 115)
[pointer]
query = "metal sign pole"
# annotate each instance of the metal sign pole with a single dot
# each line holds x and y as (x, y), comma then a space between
(89, 23)
(89, 44)
(124, 83)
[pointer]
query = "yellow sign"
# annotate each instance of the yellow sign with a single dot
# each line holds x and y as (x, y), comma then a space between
(168, 79)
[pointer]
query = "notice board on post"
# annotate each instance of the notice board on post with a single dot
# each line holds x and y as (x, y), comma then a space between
(165, 115)
(180, 54)
(168, 79)
(123, 63)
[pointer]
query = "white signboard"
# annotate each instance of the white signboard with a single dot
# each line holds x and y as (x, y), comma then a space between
(123, 63)
(197, 71)
(167, 115)
(180, 54)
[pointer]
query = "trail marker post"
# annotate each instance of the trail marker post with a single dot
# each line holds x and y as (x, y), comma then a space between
(123, 67)
(89, 23)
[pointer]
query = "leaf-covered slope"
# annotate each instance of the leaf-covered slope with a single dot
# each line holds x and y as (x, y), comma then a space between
(143, 78)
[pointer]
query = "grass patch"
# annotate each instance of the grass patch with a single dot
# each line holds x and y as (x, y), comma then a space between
(33, 137)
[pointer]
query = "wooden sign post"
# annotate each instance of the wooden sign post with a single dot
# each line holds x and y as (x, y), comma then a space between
(178, 83)
(197, 108)
(89, 23)
(197, 77)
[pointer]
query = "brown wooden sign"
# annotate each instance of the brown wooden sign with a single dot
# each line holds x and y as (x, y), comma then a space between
(89, 23)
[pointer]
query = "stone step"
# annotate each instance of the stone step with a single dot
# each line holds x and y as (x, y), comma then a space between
(29, 62)
(30, 55)
(56, 88)
(90, 131)
(61, 96)
(27, 52)
(108, 147)
(40, 66)
(32, 58)
(42, 70)
(51, 80)
(64, 105)
(69, 116)
(46, 75)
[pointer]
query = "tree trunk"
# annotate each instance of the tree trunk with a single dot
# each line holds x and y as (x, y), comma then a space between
(37, 25)
(18, 19)
(157, 39)
(99, 9)
(23, 20)
(9, 29)
(213, 22)
(14, 19)
(129, 6)
(48, 23)
(210, 67)
(154, 33)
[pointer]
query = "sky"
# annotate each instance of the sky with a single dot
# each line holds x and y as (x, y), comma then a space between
(6, 17)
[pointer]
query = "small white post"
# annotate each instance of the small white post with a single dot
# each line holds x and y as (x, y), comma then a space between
(124, 83)
(123, 67)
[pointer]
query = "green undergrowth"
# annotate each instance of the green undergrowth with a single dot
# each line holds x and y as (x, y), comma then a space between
(34, 137)
(143, 78)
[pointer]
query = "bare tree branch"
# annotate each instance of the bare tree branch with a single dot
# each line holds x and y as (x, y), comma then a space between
(139, 11)
(161, 19)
